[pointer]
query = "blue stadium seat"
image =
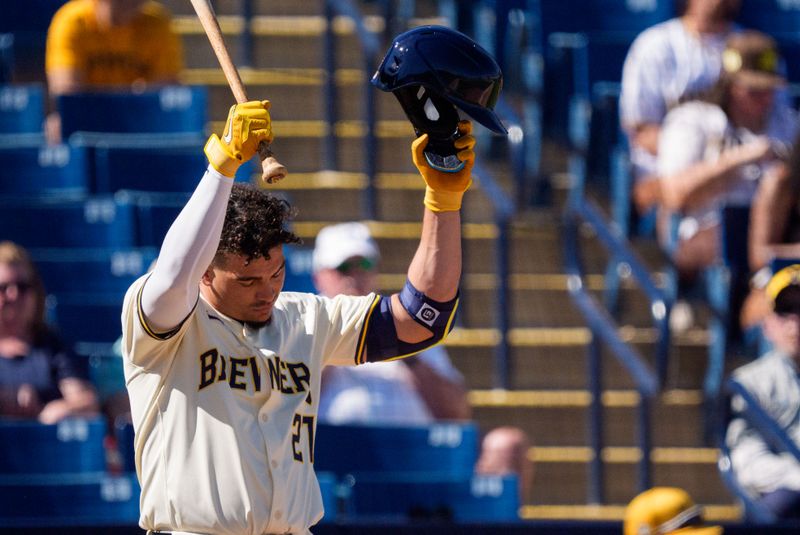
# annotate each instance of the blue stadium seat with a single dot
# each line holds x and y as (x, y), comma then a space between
(576, 34)
(71, 446)
(155, 165)
(87, 320)
(21, 108)
(96, 222)
(170, 110)
(58, 501)
(31, 170)
(329, 488)
(789, 47)
(28, 24)
(404, 495)
(79, 271)
(123, 432)
(298, 269)
(6, 57)
(446, 450)
(774, 17)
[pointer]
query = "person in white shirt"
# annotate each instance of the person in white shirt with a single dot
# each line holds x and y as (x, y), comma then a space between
(774, 381)
(715, 151)
(667, 64)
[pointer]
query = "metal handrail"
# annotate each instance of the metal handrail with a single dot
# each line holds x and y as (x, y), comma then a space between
(604, 329)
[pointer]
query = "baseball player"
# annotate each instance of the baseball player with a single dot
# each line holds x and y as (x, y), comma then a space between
(223, 369)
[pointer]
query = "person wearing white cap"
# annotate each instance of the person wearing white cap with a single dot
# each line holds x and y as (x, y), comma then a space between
(774, 383)
(416, 390)
(344, 262)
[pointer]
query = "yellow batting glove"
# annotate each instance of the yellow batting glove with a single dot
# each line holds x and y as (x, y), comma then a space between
(445, 190)
(248, 125)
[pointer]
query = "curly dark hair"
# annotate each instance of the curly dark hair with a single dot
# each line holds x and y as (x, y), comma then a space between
(254, 224)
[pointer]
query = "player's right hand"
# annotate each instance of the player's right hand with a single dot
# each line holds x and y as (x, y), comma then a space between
(247, 126)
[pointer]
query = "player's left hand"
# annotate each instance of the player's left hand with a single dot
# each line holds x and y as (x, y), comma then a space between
(445, 190)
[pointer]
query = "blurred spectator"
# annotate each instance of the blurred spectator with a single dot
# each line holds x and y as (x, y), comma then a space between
(713, 152)
(774, 232)
(39, 377)
(109, 44)
(666, 65)
(774, 383)
(665, 510)
(415, 390)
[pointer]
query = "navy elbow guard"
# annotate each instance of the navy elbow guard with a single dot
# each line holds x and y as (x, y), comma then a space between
(381, 336)
(433, 315)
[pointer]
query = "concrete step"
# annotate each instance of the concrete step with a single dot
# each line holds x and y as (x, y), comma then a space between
(557, 422)
(260, 7)
(566, 483)
(556, 358)
(277, 41)
(559, 417)
(340, 196)
(713, 513)
(298, 94)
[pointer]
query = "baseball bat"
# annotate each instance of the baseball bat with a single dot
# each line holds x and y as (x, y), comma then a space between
(271, 170)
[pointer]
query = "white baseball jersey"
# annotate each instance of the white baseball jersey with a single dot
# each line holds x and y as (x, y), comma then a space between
(215, 393)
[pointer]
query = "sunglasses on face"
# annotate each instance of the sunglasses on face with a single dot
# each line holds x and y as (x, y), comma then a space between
(348, 266)
(16, 288)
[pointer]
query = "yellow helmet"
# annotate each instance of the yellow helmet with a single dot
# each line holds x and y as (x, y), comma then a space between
(665, 510)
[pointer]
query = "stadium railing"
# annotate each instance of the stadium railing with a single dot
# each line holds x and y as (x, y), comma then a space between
(582, 211)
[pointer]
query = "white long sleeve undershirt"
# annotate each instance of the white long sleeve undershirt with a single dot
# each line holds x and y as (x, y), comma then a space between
(188, 249)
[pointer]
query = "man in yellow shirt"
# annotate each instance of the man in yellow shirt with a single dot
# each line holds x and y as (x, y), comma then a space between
(110, 44)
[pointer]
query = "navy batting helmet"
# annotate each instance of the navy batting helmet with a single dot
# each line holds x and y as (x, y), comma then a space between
(446, 62)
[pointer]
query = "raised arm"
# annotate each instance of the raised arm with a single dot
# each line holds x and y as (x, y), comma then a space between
(192, 240)
(435, 270)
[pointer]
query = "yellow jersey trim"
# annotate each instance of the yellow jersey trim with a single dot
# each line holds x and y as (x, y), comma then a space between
(150, 331)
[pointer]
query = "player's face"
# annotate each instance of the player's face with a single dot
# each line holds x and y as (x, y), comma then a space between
(17, 300)
(243, 290)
